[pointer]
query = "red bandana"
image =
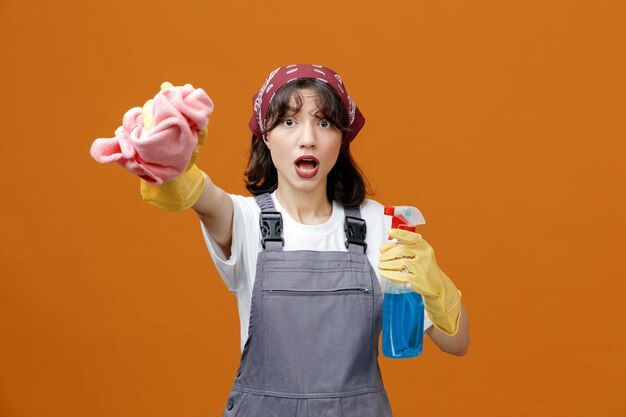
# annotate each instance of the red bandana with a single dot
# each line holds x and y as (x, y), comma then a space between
(283, 75)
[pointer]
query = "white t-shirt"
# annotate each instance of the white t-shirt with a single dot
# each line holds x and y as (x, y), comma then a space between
(238, 272)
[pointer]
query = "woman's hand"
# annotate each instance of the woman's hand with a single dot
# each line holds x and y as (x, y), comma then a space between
(167, 144)
(184, 190)
(148, 123)
(412, 260)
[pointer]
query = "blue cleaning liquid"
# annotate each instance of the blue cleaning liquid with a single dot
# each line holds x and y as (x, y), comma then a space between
(403, 325)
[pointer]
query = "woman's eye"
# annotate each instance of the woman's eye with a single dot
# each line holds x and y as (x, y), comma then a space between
(288, 122)
(325, 123)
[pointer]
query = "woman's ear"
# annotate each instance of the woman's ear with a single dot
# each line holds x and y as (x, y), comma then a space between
(267, 142)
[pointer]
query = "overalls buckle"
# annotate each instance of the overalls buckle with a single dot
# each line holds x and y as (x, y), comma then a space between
(355, 229)
(271, 223)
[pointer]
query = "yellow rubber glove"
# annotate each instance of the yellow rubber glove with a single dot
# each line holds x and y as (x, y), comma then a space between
(183, 191)
(412, 260)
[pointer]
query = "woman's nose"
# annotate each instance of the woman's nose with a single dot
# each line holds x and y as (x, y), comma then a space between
(308, 138)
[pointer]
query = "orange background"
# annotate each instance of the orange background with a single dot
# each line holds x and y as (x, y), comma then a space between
(503, 121)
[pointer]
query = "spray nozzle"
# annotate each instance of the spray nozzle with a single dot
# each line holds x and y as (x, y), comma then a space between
(404, 217)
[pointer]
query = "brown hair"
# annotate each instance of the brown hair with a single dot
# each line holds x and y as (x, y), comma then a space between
(346, 182)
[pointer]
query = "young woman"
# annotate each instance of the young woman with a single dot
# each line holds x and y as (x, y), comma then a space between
(308, 258)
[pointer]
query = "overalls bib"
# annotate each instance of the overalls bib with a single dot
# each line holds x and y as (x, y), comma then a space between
(315, 319)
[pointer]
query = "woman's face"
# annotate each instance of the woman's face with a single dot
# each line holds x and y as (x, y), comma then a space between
(304, 146)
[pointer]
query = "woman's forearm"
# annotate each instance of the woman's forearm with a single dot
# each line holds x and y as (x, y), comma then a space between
(457, 344)
(215, 209)
(211, 200)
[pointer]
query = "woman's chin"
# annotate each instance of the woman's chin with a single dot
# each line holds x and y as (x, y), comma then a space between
(303, 185)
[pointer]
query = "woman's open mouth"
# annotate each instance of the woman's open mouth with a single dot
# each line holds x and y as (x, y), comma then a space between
(306, 166)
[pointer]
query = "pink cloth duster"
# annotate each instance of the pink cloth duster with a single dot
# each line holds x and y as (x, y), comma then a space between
(161, 153)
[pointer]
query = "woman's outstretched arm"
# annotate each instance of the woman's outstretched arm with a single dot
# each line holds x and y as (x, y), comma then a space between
(215, 210)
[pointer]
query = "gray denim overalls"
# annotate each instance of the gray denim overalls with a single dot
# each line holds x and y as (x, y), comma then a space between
(315, 319)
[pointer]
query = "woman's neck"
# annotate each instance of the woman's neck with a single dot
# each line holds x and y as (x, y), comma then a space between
(306, 207)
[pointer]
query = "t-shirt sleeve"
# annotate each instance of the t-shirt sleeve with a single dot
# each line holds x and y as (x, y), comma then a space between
(235, 270)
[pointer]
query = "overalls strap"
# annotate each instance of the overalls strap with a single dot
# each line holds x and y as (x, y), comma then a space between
(271, 223)
(265, 202)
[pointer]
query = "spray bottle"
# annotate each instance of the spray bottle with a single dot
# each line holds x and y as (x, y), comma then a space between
(403, 308)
